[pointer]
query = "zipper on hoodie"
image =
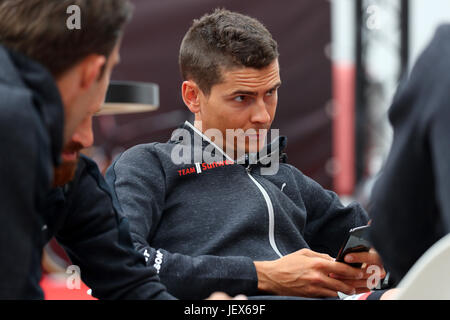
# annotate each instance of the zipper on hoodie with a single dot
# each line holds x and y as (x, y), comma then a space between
(258, 185)
(270, 211)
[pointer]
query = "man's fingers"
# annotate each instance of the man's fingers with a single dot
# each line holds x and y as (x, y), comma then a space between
(369, 258)
(368, 272)
(319, 279)
(337, 285)
(342, 270)
(375, 269)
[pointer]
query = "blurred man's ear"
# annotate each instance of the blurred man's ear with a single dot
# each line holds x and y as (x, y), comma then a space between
(190, 93)
(91, 68)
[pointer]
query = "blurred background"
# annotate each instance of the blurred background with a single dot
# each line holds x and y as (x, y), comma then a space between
(341, 62)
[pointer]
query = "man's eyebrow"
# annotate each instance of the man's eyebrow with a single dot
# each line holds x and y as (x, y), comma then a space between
(276, 86)
(252, 93)
(243, 92)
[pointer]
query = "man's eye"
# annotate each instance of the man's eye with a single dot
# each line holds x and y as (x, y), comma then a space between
(239, 99)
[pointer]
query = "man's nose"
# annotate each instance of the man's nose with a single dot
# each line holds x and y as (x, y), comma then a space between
(84, 134)
(260, 113)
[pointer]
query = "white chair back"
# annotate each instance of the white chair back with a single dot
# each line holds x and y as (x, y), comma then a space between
(429, 277)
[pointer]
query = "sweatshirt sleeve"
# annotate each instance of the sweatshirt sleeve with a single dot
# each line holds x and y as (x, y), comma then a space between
(98, 241)
(328, 220)
(138, 181)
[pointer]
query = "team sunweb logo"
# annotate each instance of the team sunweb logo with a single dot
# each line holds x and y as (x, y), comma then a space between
(201, 167)
(231, 144)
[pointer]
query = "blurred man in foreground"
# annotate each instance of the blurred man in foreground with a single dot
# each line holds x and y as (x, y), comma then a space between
(53, 81)
(410, 201)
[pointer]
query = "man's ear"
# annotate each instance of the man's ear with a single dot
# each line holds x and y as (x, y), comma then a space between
(190, 93)
(91, 68)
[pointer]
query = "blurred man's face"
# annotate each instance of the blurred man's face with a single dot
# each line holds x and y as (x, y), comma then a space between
(247, 100)
(66, 171)
(83, 137)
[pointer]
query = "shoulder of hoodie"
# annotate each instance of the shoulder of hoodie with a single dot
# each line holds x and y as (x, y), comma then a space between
(292, 169)
(17, 106)
(20, 115)
(439, 72)
(146, 154)
(302, 180)
(18, 112)
(20, 120)
(427, 83)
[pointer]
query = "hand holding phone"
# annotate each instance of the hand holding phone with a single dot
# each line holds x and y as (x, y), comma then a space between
(357, 241)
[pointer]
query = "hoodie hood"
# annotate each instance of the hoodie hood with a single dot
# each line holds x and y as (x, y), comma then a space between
(20, 71)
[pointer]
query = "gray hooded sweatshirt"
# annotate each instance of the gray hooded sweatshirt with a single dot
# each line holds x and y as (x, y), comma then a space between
(201, 224)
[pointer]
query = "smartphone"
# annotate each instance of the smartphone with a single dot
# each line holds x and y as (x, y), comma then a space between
(357, 241)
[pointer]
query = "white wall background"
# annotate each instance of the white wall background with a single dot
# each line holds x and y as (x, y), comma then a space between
(425, 16)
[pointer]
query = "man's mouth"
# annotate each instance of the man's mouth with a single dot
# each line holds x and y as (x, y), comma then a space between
(70, 156)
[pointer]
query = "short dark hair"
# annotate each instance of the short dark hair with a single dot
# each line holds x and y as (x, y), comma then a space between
(38, 29)
(223, 40)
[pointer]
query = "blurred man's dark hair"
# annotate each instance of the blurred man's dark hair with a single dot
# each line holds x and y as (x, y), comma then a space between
(224, 40)
(38, 29)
